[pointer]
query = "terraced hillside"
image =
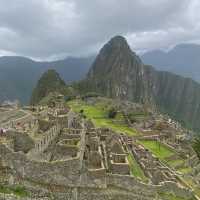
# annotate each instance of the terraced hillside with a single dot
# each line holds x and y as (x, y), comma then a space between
(98, 112)
(5, 116)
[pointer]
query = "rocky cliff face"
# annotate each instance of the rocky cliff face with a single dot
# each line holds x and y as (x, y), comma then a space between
(119, 73)
(178, 96)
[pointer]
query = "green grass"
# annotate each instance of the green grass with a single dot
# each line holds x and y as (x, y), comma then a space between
(175, 163)
(4, 190)
(185, 170)
(136, 169)
(169, 196)
(163, 153)
(193, 185)
(16, 190)
(158, 149)
(98, 113)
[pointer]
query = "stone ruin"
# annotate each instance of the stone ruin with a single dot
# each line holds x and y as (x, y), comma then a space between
(67, 152)
(117, 157)
(152, 167)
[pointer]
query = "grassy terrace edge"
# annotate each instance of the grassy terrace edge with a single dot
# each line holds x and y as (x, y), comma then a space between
(99, 115)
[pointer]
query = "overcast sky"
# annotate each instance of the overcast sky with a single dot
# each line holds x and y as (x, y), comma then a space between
(52, 29)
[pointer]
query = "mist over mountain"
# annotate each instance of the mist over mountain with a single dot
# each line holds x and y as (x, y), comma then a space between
(19, 75)
(119, 73)
(183, 59)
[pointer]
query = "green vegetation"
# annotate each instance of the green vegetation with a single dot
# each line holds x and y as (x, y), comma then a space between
(136, 169)
(185, 170)
(98, 113)
(193, 185)
(178, 164)
(170, 196)
(16, 190)
(158, 149)
(112, 113)
(4, 189)
(164, 153)
(50, 82)
(175, 163)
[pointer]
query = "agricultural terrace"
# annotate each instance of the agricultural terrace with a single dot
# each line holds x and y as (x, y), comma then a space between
(166, 154)
(99, 114)
(135, 168)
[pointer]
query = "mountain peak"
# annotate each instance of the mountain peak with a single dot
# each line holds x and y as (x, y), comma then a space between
(110, 73)
(119, 40)
(49, 82)
(118, 43)
(116, 55)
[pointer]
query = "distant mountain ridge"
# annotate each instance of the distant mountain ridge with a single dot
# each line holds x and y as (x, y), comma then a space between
(183, 59)
(118, 72)
(19, 75)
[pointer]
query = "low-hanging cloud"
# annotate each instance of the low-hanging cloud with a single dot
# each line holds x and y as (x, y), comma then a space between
(48, 29)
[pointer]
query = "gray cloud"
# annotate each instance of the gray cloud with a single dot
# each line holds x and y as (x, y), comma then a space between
(49, 29)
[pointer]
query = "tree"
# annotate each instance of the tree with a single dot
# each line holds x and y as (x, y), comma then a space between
(81, 111)
(112, 113)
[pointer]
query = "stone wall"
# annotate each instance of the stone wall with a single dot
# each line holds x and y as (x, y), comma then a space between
(111, 194)
(118, 158)
(13, 197)
(21, 141)
(120, 168)
(127, 182)
(67, 173)
(44, 142)
(64, 151)
(59, 172)
(23, 120)
(97, 173)
(173, 187)
(130, 183)
(71, 119)
(65, 136)
(74, 131)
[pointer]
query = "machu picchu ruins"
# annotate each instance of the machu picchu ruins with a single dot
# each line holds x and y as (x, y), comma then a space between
(99, 100)
(55, 152)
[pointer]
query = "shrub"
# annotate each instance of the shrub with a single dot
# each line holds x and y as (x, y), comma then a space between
(20, 191)
(81, 111)
(84, 116)
(132, 118)
(112, 113)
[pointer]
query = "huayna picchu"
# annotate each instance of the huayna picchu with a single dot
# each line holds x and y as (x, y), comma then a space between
(119, 73)
(111, 136)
